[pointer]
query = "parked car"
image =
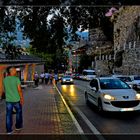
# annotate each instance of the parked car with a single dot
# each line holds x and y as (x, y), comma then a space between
(68, 73)
(76, 76)
(126, 79)
(67, 79)
(88, 74)
(112, 94)
(136, 81)
(81, 77)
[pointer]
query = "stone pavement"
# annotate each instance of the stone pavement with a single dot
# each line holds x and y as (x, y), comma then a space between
(43, 113)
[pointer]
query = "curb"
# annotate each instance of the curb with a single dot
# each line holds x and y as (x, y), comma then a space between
(70, 112)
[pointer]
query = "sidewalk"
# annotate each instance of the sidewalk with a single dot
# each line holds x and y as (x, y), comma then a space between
(43, 113)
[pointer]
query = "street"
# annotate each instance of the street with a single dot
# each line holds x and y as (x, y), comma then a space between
(108, 123)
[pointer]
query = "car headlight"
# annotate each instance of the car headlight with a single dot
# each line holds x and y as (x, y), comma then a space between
(109, 97)
(71, 79)
(138, 96)
(64, 80)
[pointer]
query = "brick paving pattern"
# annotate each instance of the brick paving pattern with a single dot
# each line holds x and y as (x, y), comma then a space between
(43, 113)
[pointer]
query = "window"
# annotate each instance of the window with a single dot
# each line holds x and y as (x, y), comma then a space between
(113, 84)
(137, 78)
(125, 79)
(89, 73)
(94, 83)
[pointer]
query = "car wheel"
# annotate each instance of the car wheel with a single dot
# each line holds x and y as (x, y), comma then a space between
(86, 99)
(100, 107)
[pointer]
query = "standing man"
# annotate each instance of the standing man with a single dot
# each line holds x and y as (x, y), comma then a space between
(42, 77)
(36, 79)
(14, 99)
(56, 78)
(47, 76)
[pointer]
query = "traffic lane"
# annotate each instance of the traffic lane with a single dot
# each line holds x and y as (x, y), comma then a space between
(107, 123)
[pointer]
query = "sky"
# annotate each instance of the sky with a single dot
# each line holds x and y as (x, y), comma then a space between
(20, 40)
(84, 34)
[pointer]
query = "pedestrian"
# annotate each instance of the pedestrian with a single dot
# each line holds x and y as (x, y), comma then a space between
(36, 79)
(42, 76)
(8, 74)
(51, 78)
(56, 78)
(14, 99)
(47, 75)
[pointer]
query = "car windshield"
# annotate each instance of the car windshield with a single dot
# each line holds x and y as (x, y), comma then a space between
(67, 76)
(113, 84)
(125, 79)
(137, 78)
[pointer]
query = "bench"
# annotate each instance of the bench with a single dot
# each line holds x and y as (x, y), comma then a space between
(29, 83)
(23, 86)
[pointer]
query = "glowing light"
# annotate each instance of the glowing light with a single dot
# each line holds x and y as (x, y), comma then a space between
(2, 68)
(26, 72)
(64, 88)
(33, 71)
(72, 89)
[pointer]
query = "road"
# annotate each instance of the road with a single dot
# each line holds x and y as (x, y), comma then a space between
(108, 123)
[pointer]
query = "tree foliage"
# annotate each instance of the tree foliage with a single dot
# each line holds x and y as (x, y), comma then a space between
(47, 36)
(85, 61)
(7, 25)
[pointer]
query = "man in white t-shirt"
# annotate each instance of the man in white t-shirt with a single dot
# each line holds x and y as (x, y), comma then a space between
(47, 75)
(42, 76)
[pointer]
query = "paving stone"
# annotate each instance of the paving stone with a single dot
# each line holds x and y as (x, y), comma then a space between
(43, 112)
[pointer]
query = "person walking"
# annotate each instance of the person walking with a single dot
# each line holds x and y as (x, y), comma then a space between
(14, 99)
(56, 78)
(51, 78)
(42, 76)
(36, 79)
(47, 76)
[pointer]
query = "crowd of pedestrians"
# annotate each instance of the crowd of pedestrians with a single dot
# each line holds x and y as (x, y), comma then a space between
(45, 78)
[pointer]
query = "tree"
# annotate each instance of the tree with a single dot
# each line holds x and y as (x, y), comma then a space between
(7, 25)
(85, 62)
(48, 36)
(12, 52)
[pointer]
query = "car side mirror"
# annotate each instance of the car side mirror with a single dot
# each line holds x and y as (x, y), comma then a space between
(94, 88)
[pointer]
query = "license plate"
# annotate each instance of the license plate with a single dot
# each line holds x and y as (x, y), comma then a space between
(127, 109)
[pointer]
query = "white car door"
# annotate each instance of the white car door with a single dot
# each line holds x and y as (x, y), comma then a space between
(93, 91)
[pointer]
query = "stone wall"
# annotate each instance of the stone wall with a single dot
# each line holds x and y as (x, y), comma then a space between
(126, 25)
(131, 62)
(126, 30)
(101, 67)
(98, 42)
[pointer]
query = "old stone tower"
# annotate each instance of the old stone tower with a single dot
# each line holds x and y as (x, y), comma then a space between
(127, 38)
